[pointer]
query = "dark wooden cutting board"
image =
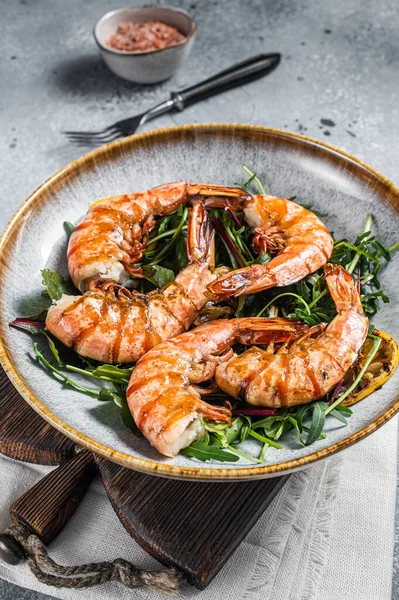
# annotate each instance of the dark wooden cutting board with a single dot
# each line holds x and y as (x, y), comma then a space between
(193, 526)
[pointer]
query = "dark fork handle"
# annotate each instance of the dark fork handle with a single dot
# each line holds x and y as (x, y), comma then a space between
(246, 71)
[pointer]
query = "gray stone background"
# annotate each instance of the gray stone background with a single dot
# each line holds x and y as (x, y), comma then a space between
(338, 81)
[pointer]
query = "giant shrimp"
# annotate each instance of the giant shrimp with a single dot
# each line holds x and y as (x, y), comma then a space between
(164, 395)
(307, 367)
(295, 237)
(110, 323)
(113, 235)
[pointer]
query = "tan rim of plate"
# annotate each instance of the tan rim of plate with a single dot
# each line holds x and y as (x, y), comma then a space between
(146, 466)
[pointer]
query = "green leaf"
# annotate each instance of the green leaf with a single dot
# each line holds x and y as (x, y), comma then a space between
(344, 409)
(233, 432)
(274, 426)
(376, 344)
(178, 221)
(317, 423)
(253, 177)
(128, 420)
(379, 294)
(159, 276)
(54, 283)
(202, 452)
(335, 413)
(263, 259)
(263, 439)
(240, 306)
(323, 316)
(107, 395)
(382, 250)
(181, 253)
(53, 350)
(69, 227)
(247, 183)
(294, 423)
(57, 374)
(245, 429)
(112, 372)
(216, 433)
(104, 372)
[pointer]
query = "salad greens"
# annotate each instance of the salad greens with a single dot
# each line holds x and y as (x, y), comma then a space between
(308, 300)
(55, 284)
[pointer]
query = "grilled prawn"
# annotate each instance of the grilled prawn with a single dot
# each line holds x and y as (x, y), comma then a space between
(163, 393)
(295, 237)
(110, 323)
(307, 367)
(113, 235)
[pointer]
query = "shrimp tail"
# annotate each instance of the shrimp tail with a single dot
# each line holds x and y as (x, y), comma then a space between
(342, 288)
(248, 280)
(200, 236)
(260, 330)
(111, 290)
(215, 413)
(217, 196)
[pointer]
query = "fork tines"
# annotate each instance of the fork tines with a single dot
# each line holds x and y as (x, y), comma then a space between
(94, 138)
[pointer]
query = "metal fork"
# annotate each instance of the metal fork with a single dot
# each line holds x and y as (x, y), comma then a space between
(239, 74)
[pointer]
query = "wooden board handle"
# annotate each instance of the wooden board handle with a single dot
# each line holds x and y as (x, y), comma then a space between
(48, 505)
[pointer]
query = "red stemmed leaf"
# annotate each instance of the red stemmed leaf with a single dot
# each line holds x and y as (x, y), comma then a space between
(233, 215)
(33, 324)
(227, 241)
(255, 412)
(339, 389)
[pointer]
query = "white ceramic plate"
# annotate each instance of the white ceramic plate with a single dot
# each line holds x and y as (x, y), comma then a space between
(289, 164)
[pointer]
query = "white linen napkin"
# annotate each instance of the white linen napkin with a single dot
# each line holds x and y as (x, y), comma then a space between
(328, 534)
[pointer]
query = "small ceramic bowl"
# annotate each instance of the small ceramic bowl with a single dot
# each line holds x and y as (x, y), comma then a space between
(151, 66)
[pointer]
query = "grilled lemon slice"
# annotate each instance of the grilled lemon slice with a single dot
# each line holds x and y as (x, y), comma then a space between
(378, 372)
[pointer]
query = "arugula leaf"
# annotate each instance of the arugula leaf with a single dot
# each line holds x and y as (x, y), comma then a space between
(177, 223)
(112, 372)
(69, 227)
(54, 283)
(157, 275)
(107, 395)
(203, 452)
(57, 374)
(53, 350)
(233, 432)
(253, 177)
(181, 253)
(247, 183)
(240, 306)
(107, 372)
(335, 413)
(244, 430)
(263, 439)
(263, 259)
(317, 410)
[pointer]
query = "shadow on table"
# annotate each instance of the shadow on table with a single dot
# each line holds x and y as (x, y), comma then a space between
(88, 75)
